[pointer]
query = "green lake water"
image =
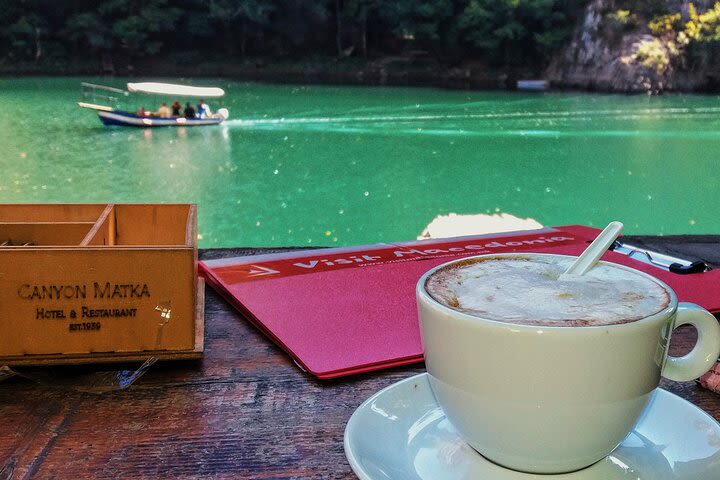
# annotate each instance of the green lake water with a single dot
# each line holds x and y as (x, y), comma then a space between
(324, 165)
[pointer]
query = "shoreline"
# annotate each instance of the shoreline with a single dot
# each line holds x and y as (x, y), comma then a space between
(328, 71)
(400, 71)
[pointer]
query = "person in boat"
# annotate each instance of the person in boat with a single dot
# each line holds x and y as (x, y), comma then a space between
(163, 111)
(176, 107)
(141, 112)
(204, 110)
(189, 111)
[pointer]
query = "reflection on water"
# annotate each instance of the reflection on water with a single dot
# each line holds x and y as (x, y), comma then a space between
(316, 165)
(453, 225)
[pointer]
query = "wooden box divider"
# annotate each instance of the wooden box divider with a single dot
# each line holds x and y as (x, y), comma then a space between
(103, 230)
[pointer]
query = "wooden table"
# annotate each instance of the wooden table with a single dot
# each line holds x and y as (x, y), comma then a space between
(244, 411)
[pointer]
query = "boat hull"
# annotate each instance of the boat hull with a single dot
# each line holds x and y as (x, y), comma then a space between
(126, 119)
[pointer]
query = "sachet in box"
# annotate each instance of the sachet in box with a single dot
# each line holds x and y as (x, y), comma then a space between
(85, 283)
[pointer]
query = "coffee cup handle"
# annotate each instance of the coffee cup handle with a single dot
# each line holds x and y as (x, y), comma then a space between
(706, 351)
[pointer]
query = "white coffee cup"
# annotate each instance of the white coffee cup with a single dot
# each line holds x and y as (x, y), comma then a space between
(553, 399)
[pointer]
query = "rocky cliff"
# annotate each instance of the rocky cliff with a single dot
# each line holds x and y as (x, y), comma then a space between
(615, 50)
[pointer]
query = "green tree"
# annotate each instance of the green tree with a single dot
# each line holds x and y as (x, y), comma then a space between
(423, 22)
(359, 11)
(700, 38)
(516, 32)
(252, 17)
(136, 24)
(26, 36)
(300, 25)
(87, 30)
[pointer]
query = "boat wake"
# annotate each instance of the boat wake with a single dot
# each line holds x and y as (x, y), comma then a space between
(515, 123)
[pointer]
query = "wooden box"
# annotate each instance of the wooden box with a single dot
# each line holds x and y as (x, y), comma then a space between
(83, 283)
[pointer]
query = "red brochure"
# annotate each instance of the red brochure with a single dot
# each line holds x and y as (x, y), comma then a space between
(342, 311)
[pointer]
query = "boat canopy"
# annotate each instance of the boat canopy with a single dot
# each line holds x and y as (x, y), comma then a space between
(175, 90)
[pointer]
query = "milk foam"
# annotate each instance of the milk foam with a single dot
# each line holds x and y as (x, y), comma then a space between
(527, 290)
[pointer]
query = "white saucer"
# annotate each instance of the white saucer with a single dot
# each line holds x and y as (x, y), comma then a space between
(401, 433)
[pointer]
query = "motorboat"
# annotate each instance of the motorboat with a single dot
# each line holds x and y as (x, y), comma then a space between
(111, 103)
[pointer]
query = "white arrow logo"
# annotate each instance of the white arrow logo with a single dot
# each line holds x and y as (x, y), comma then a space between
(259, 271)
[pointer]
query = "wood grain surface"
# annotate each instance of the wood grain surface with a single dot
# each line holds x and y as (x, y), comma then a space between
(244, 411)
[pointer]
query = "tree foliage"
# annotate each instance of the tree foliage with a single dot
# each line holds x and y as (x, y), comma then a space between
(691, 39)
(516, 32)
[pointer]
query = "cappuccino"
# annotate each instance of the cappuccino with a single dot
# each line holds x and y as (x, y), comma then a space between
(510, 372)
(528, 290)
